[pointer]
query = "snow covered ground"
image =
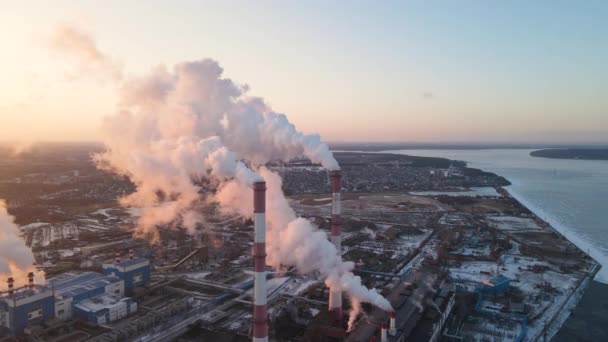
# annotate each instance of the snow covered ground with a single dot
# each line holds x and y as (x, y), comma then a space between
(475, 191)
(544, 304)
(514, 224)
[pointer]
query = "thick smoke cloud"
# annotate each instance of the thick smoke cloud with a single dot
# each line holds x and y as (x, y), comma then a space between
(295, 241)
(185, 135)
(176, 127)
(16, 259)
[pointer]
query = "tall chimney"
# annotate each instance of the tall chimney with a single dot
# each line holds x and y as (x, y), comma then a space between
(392, 330)
(30, 280)
(335, 295)
(372, 339)
(131, 253)
(10, 283)
(260, 323)
(117, 259)
(383, 337)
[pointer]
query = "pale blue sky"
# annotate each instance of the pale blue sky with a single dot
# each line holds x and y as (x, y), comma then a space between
(500, 71)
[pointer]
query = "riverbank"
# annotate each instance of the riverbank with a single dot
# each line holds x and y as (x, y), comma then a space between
(554, 325)
(565, 195)
(560, 229)
(568, 194)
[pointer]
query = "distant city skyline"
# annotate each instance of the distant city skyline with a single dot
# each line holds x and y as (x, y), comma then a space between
(418, 72)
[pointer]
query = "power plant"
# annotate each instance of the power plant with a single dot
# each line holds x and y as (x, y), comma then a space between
(86, 296)
(358, 266)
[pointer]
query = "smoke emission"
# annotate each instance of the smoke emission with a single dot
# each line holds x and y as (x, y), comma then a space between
(16, 259)
(77, 44)
(181, 131)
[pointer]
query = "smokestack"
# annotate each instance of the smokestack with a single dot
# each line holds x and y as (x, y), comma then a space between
(131, 253)
(335, 295)
(392, 330)
(30, 280)
(10, 283)
(117, 259)
(383, 337)
(260, 323)
(372, 339)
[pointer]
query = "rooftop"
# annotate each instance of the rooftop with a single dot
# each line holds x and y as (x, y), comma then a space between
(100, 302)
(499, 280)
(128, 262)
(24, 292)
(70, 284)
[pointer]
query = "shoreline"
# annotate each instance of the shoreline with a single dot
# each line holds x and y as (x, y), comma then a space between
(556, 322)
(554, 224)
(563, 231)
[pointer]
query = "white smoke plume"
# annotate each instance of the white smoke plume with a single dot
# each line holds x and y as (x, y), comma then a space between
(79, 45)
(177, 126)
(354, 313)
(186, 134)
(16, 258)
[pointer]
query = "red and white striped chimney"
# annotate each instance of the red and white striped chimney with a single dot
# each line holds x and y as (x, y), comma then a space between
(131, 253)
(30, 280)
(11, 283)
(392, 329)
(117, 259)
(260, 322)
(383, 336)
(335, 295)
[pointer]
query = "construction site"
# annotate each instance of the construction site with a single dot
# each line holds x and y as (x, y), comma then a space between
(456, 263)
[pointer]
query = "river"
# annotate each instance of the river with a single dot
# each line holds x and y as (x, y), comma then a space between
(572, 195)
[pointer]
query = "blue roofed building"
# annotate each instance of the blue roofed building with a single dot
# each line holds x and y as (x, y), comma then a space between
(104, 309)
(135, 272)
(95, 297)
(496, 286)
(72, 288)
(24, 307)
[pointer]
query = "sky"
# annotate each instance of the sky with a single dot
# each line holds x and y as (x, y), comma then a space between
(398, 71)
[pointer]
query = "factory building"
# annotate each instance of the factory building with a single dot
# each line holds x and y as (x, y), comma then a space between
(90, 296)
(25, 306)
(73, 288)
(104, 309)
(134, 272)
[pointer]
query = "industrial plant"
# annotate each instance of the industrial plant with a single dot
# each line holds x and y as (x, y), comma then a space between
(456, 256)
